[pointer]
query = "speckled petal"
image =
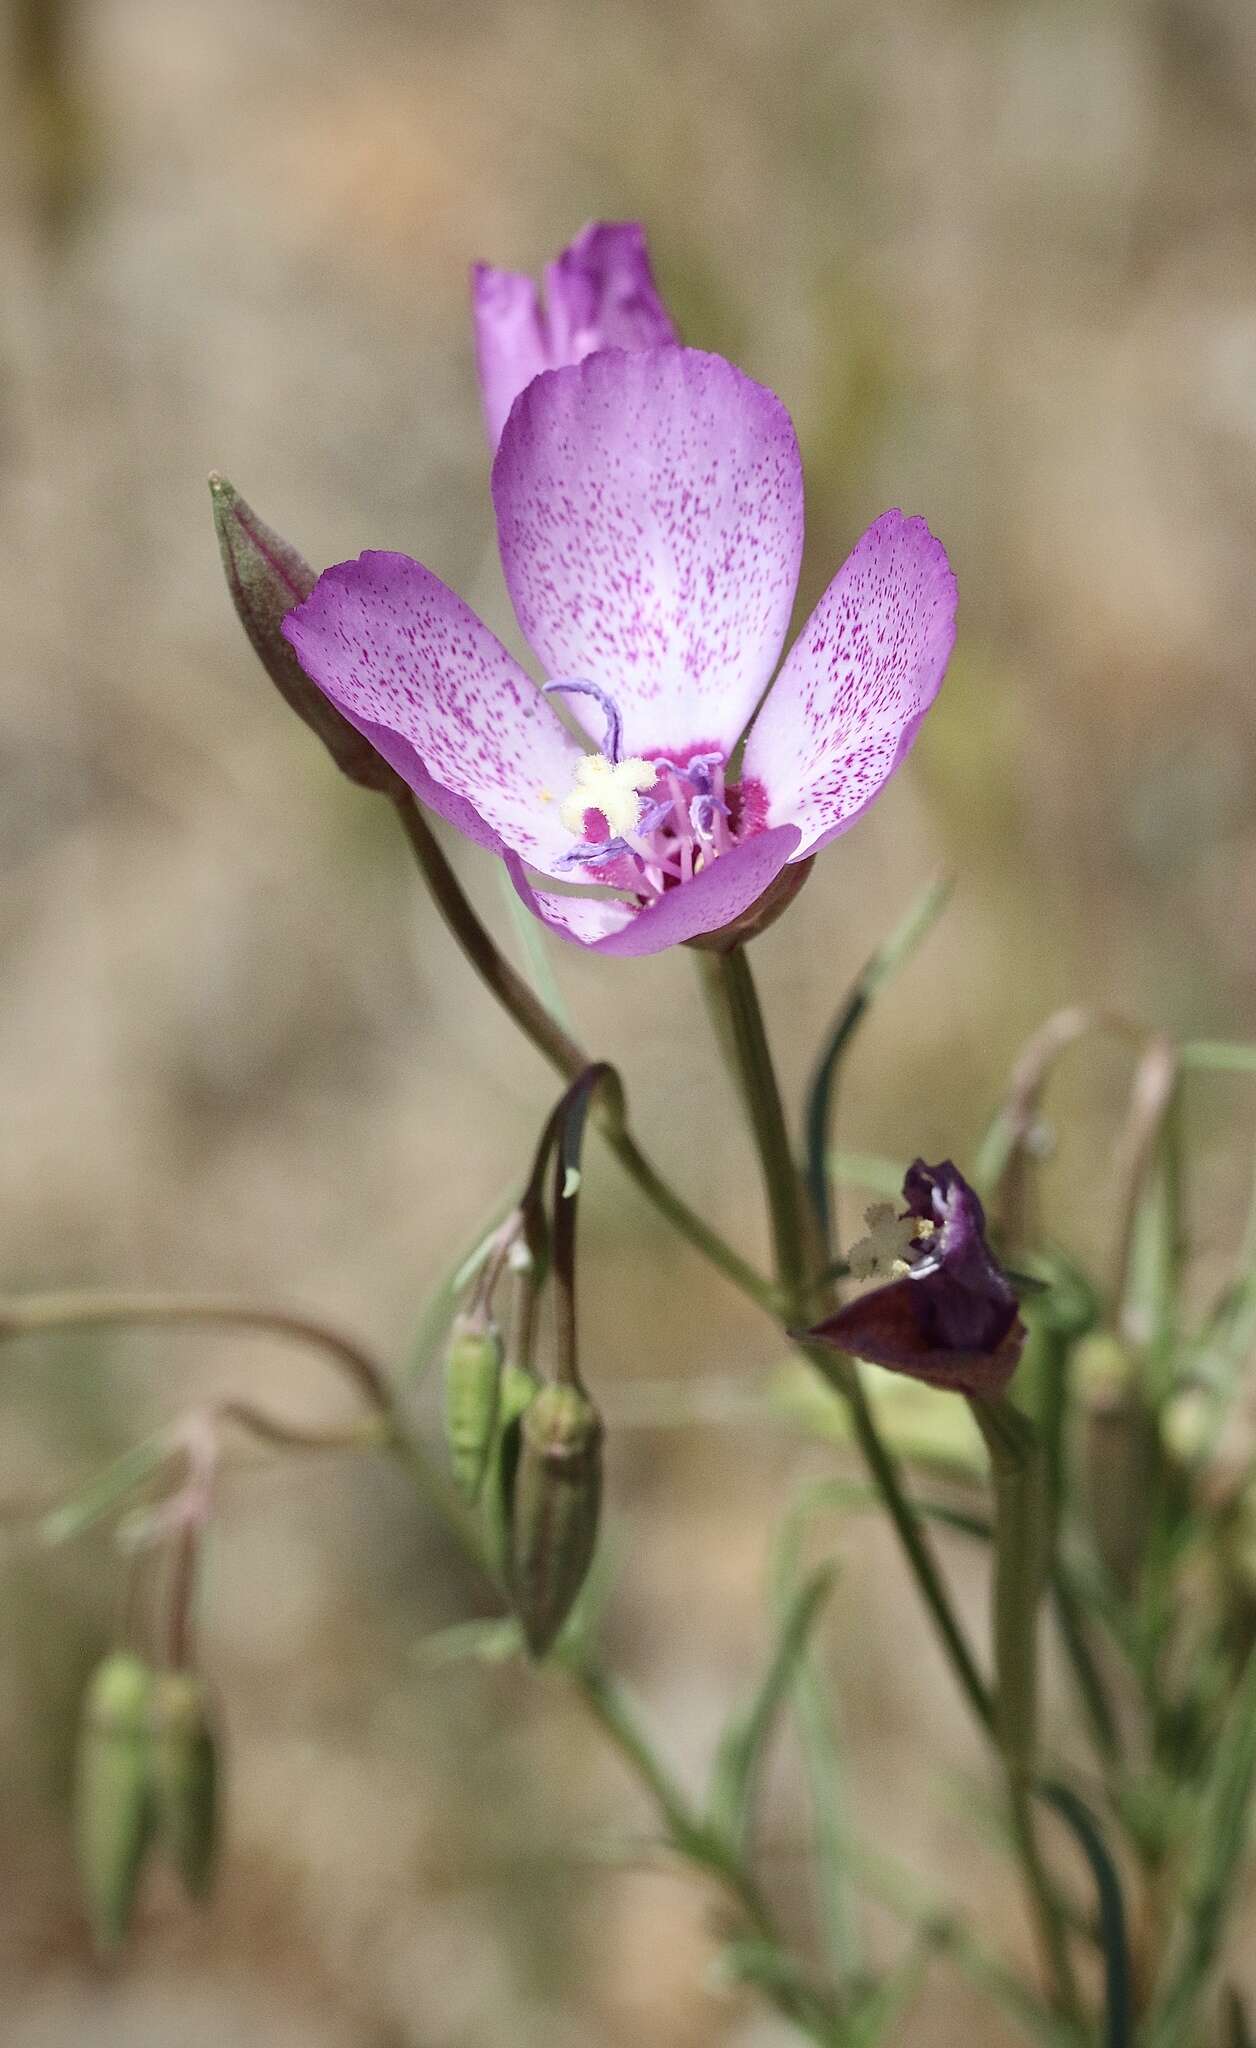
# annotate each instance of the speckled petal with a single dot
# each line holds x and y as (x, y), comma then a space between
(417, 673)
(511, 344)
(856, 684)
(708, 903)
(650, 518)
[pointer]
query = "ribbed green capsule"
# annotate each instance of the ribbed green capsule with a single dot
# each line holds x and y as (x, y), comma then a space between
(113, 1806)
(556, 1500)
(473, 1369)
(516, 1391)
(185, 1778)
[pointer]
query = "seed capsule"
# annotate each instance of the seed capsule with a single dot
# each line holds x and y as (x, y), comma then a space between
(516, 1392)
(185, 1778)
(113, 1794)
(472, 1382)
(557, 1496)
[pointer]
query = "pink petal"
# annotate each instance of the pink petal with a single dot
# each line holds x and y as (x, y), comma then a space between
(601, 294)
(712, 900)
(857, 682)
(649, 513)
(417, 673)
(511, 345)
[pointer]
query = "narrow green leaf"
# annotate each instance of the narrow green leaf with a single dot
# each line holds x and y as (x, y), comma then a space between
(1211, 1880)
(1118, 2032)
(878, 970)
(1214, 1056)
(107, 1490)
(870, 1170)
(494, 1641)
(1236, 2027)
(744, 1742)
(890, 2000)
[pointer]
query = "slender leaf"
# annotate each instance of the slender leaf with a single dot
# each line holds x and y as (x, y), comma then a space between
(744, 1742)
(880, 968)
(1118, 1993)
(1213, 1872)
(494, 1641)
(107, 1489)
(869, 1170)
(438, 1311)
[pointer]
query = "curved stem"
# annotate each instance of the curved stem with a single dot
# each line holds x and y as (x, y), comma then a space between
(730, 983)
(31, 1314)
(563, 1053)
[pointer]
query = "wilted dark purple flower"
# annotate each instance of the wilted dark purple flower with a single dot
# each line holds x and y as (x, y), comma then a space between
(950, 1316)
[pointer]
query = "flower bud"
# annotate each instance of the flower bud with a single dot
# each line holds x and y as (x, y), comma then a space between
(267, 578)
(516, 1391)
(472, 1381)
(185, 1778)
(113, 1793)
(557, 1495)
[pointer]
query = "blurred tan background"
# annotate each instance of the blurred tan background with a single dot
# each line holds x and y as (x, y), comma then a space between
(1000, 261)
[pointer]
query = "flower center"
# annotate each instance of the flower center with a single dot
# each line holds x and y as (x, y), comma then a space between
(643, 824)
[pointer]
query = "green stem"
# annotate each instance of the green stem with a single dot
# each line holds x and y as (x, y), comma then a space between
(568, 1058)
(1022, 1516)
(731, 987)
(739, 1021)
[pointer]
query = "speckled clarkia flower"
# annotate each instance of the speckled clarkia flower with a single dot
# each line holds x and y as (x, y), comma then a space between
(649, 511)
(599, 293)
(950, 1315)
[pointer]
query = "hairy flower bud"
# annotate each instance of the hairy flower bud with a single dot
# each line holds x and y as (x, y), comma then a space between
(557, 1496)
(185, 1778)
(267, 578)
(472, 1391)
(113, 1793)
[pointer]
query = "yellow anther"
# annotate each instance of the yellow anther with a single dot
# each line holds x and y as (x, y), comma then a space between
(612, 787)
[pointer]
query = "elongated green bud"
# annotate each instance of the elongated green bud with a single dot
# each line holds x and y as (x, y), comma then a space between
(557, 1497)
(185, 1778)
(113, 1793)
(516, 1392)
(267, 578)
(472, 1379)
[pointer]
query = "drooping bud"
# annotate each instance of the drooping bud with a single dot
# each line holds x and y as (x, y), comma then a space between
(267, 578)
(516, 1391)
(472, 1390)
(113, 1793)
(557, 1497)
(185, 1778)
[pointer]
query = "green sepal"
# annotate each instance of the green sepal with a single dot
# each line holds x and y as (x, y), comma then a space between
(555, 1508)
(267, 579)
(185, 1777)
(113, 1800)
(473, 1367)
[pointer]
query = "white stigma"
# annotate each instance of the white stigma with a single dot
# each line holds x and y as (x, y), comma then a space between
(614, 788)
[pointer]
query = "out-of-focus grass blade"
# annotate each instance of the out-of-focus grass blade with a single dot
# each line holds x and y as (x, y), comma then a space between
(880, 968)
(494, 1641)
(1214, 1056)
(1213, 1873)
(887, 2003)
(1236, 2028)
(925, 1425)
(742, 1747)
(107, 1490)
(869, 1170)
(1112, 1932)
